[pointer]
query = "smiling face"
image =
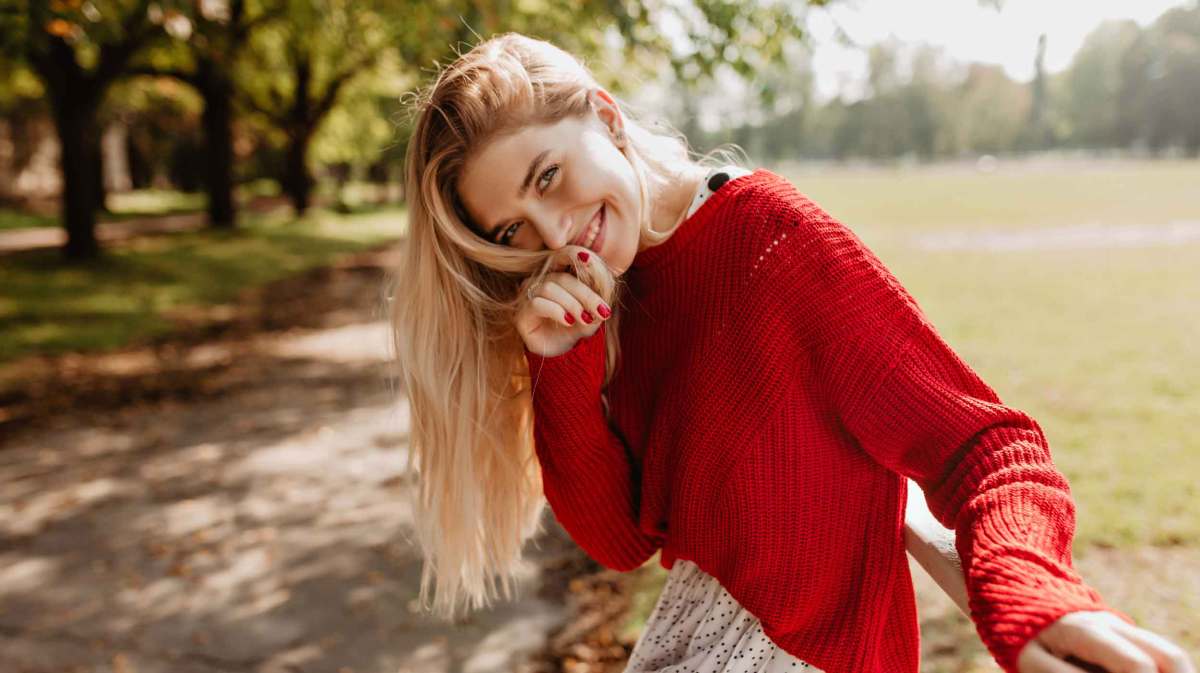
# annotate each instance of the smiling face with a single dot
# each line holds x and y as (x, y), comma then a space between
(568, 182)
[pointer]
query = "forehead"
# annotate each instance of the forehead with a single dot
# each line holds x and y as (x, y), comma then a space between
(492, 175)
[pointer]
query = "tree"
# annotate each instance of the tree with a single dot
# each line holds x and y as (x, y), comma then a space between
(1037, 133)
(1175, 81)
(297, 70)
(78, 49)
(1102, 87)
(203, 56)
(991, 108)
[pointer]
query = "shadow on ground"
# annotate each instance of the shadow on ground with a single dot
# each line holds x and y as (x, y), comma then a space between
(254, 521)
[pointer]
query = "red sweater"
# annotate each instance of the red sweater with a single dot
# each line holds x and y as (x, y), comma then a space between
(776, 384)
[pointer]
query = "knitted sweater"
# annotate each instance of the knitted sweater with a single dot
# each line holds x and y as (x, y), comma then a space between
(775, 387)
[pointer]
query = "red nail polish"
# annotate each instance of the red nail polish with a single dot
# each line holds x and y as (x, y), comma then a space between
(583, 256)
(569, 318)
(587, 317)
(603, 311)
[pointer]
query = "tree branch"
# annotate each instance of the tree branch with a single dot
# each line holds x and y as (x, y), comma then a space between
(329, 98)
(151, 71)
(250, 102)
(115, 56)
(243, 28)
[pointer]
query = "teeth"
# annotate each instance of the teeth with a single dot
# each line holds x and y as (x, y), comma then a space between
(592, 234)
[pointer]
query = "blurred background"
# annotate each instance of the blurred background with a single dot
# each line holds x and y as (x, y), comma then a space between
(201, 453)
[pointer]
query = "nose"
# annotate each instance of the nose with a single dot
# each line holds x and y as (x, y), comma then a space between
(554, 227)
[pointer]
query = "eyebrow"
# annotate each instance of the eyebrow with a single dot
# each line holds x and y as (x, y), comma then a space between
(533, 166)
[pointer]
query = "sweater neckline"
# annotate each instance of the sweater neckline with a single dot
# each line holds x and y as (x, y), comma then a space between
(658, 256)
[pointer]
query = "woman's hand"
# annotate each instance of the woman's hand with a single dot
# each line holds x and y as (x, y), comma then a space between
(1100, 641)
(561, 312)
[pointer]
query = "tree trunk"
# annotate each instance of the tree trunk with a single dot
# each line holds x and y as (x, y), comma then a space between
(76, 124)
(297, 180)
(73, 102)
(218, 138)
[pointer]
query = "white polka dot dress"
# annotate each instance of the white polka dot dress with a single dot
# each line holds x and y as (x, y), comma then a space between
(697, 627)
(712, 182)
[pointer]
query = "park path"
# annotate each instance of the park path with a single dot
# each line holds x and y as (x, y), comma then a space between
(257, 525)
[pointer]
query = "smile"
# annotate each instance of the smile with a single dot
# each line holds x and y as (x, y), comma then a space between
(591, 238)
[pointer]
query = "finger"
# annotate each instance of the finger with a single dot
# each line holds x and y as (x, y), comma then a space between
(557, 293)
(585, 257)
(544, 308)
(1036, 659)
(1113, 651)
(1169, 657)
(585, 295)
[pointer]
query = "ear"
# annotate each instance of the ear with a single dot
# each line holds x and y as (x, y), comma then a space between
(609, 113)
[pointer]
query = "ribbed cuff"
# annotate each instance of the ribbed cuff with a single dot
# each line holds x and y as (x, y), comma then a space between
(1006, 633)
(581, 367)
(1020, 578)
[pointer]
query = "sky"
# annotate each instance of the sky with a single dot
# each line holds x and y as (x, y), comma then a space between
(967, 31)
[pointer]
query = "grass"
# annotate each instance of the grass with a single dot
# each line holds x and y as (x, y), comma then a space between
(1099, 345)
(126, 296)
(17, 219)
(121, 206)
(149, 202)
(139, 203)
(1013, 197)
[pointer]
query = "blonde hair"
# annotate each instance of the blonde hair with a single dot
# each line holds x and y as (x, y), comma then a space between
(478, 494)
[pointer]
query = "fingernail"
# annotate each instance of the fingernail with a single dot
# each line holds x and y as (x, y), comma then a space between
(603, 311)
(587, 317)
(583, 256)
(569, 318)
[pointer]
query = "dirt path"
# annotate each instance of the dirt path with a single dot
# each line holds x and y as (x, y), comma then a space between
(1073, 237)
(252, 520)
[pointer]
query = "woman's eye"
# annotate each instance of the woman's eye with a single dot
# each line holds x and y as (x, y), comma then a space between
(547, 175)
(509, 233)
(544, 181)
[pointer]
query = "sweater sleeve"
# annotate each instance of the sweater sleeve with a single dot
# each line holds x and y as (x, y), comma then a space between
(587, 475)
(919, 410)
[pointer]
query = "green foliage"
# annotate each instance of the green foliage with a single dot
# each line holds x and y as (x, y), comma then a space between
(19, 86)
(96, 30)
(1094, 79)
(327, 41)
(360, 130)
(1128, 87)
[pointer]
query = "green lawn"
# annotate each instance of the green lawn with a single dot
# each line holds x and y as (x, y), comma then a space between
(149, 202)
(1100, 345)
(1022, 197)
(122, 206)
(49, 307)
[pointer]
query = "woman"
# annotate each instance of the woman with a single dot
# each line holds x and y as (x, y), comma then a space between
(755, 417)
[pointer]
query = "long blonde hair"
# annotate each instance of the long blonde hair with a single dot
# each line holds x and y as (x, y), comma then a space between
(478, 494)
